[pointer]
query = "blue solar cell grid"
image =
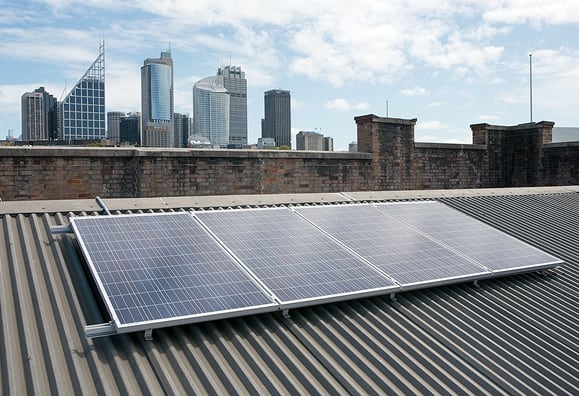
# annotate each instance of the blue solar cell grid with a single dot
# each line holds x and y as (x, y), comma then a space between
(163, 266)
(406, 255)
(486, 245)
(294, 259)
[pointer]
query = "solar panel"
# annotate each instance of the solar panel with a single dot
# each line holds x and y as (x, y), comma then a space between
(409, 257)
(486, 245)
(295, 260)
(158, 270)
(163, 269)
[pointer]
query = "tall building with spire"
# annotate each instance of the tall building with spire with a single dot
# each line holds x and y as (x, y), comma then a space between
(277, 121)
(39, 116)
(157, 101)
(82, 112)
(233, 79)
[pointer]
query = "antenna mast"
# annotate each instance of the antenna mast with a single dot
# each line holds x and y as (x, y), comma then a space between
(531, 85)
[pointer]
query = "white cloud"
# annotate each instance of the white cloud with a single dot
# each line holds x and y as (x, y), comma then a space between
(39, 45)
(341, 104)
(442, 139)
(488, 117)
(416, 91)
(516, 12)
(297, 104)
(430, 126)
(435, 104)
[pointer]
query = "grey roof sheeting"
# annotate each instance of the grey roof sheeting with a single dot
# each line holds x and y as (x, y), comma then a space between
(512, 335)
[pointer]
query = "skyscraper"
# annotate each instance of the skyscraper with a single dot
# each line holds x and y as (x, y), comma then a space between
(211, 111)
(277, 121)
(82, 111)
(39, 116)
(182, 129)
(157, 101)
(113, 125)
(328, 143)
(233, 79)
(130, 129)
(308, 140)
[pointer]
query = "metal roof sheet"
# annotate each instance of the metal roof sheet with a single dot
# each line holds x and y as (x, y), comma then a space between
(512, 335)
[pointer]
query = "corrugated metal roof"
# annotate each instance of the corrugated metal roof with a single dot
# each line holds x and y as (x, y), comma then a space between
(512, 335)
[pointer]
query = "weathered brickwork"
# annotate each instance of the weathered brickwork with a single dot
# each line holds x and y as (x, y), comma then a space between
(501, 156)
(54, 173)
(389, 159)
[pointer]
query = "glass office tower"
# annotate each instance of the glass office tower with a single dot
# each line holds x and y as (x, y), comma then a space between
(233, 79)
(157, 101)
(277, 121)
(82, 112)
(211, 111)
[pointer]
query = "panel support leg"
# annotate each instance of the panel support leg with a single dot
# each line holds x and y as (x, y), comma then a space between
(475, 283)
(149, 334)
(393, 296)
(285, 313)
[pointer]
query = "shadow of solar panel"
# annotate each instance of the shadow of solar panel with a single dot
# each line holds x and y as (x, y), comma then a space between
(491, 248)
(409, 257)
(163, 268)
(294, 259)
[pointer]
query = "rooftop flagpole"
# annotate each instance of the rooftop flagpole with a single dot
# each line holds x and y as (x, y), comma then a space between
(531, 85)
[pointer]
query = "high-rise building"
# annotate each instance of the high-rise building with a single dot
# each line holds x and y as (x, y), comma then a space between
(130, 129)
(182, 130)
(277, 121)
(157, 101)
(211, 111)
(233, 79)
(328, 143)
(82, 112)
(39, 116)
(308, 140)
(113, 125)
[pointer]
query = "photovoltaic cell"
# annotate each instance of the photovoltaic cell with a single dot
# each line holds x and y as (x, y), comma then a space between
(162, 267)
(406, 255)
(486, 245)
(294, 259)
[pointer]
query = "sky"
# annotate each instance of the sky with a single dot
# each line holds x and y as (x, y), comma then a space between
(447, 63)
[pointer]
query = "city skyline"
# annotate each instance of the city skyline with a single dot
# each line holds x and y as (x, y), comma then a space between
(449, 64)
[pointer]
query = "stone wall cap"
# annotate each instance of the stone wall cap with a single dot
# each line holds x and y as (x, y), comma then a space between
(450, 146)
(527, 125)
(91, 152)
(385, 120)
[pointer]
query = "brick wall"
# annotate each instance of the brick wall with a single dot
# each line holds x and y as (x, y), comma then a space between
(72, 173)
(389, 159)
(501, 156)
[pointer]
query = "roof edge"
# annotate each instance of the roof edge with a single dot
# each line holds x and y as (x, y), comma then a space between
(167, 203)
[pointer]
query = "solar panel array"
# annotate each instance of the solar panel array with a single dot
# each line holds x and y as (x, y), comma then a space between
(394, 247)
(294, 259)
(484, 244)
(158, 270)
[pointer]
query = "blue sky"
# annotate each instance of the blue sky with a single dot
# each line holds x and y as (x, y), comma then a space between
(447, 63)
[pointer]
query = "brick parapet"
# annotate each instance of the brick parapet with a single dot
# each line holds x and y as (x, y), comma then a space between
(502, 157)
